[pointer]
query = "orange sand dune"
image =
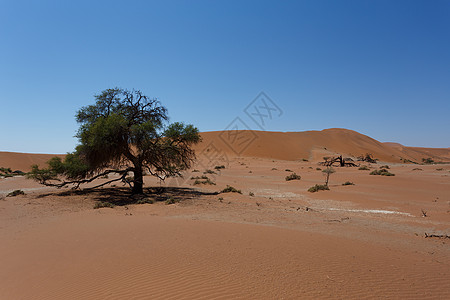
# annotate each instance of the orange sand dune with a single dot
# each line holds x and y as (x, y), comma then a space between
(441, 154)
(311, 145)
(24, 161)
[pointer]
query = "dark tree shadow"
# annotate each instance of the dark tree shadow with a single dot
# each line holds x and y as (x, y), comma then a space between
(121, 196)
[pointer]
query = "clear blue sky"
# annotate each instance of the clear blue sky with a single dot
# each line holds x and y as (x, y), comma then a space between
(381, 68)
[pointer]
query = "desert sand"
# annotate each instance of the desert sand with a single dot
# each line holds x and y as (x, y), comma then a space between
(274, 240)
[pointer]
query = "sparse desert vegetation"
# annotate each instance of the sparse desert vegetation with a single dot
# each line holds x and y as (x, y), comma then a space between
(293, 176)
(318, 187)
(382, 172)
(204, 181)
(172, 200)
(145, 201)
(427, 161)
(102, 204)
(7, 172)
(230, 189)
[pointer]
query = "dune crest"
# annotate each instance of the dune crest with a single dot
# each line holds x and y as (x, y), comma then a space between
(310, 145)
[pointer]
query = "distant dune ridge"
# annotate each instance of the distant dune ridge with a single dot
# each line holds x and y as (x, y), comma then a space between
(24, 161)
(310, 145)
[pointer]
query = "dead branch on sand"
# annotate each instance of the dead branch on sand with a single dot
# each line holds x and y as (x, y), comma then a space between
(338, 161)
(439, 236)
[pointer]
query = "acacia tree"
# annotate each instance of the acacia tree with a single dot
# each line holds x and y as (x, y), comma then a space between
(328, 171)
(124, 131)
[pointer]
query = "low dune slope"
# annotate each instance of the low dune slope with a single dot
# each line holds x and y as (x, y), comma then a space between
(23, 161)
(312, 145)
(439, 154)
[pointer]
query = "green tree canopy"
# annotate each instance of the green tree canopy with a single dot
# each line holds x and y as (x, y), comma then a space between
(124, 131)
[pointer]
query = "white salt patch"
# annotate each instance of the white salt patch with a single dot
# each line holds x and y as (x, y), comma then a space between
(372, 211)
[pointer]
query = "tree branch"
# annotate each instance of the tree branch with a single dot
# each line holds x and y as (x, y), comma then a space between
(77, 183)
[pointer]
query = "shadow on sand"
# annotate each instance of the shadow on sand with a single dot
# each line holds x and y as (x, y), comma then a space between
(121, 196)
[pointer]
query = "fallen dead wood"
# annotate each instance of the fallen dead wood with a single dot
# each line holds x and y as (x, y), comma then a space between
(368, 158)
(338, 161)
(438, 236)
(337, 220)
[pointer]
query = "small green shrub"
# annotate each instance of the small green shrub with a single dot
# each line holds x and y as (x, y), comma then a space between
(304, 159)
(251, 194)
(293, 176)
(103, 204)
(172, 200)
(204, 181)
(384, 167)
(440, 169)
(15, 193)
(318, 187)
(408, 161)
(382, 172)
(219, 167)
(318, 169)
(195, 170)
(417, 169)
(348, 183)
(144, 201)
(274, 169)
(5, 170)
(209, 172)
(288, 170)
(230, 189)
(364, 168)
(427, 161)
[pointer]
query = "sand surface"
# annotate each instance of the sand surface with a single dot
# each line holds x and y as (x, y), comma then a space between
(365, 241)
(274, 240)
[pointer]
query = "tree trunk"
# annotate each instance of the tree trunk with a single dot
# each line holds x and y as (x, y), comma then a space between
(138, 181)
(341, 161)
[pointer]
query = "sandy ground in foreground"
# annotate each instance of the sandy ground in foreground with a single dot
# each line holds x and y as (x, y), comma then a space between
(363, 241)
